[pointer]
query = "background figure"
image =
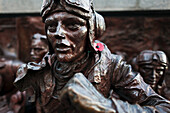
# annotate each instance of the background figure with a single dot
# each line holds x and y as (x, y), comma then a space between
(152, 66)
(11, 100)
(39, 47)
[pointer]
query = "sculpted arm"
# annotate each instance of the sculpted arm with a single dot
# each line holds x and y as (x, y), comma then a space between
(131, 87)
(81, 94)
(8, 69)
(24, 79)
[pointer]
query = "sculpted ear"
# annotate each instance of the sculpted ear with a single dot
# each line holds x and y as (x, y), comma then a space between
(100, 25)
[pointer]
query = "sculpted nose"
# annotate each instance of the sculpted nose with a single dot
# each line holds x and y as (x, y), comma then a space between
(32, 52)
(153, 75)
(59, 31)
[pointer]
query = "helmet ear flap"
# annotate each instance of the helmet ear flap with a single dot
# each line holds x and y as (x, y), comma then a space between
(99, 25)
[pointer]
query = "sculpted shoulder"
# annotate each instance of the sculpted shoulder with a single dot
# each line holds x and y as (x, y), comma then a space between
(25, 69)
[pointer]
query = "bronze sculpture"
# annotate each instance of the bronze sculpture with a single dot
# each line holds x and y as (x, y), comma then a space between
(152, 66)
(79, 74)
(11, 100)
(39, 47)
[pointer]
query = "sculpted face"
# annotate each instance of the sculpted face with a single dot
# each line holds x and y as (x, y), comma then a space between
(67, 34)
(151, 73)
(38, 49)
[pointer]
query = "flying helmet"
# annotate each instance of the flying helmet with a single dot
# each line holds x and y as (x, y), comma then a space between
(81, 8)
(148, 56)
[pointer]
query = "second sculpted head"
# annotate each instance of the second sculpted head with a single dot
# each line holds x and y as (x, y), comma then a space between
(152, 66)
(39, 47)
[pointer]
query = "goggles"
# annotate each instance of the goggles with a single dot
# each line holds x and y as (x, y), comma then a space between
(149, 56)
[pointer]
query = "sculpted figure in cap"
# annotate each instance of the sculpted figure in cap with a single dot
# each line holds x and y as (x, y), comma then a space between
(152, 66)
(79, 74)
(39, 47)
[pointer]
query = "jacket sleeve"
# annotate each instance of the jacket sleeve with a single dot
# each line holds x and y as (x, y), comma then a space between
(86, 99)
(130, 87)
(22, 81)
(28, 74)
(26, 81)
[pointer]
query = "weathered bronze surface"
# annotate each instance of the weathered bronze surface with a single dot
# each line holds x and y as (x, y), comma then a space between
(26, 27)
(39, 47)
(152, 65)
(79, 74)
(11, 100)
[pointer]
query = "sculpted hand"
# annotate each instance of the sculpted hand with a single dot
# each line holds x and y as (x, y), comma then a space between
(84, 97)
(18, 101)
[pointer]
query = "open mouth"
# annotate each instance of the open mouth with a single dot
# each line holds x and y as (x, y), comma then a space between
(62, 47)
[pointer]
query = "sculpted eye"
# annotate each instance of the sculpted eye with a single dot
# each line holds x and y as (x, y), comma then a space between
(73, 26)
(146, 69)
(38, 49)
(52, 28)
(160, 71)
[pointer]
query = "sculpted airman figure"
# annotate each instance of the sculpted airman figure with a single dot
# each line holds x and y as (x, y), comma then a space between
(39, 47)
(79, 74)
(152, 66)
